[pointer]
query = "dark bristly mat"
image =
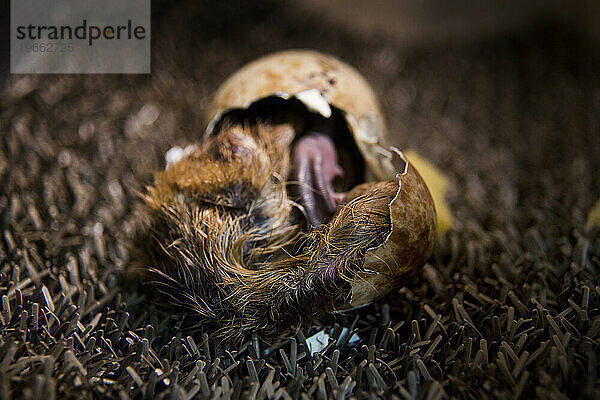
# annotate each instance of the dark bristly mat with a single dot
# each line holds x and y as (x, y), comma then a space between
(507, 307)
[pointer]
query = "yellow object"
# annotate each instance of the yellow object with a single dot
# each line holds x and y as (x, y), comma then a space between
(594, 215)
(438, 186)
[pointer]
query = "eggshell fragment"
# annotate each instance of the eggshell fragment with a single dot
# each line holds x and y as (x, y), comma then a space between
(437, 183)
(411, 238)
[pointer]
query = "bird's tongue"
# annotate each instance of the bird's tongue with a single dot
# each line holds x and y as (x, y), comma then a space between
(315, 166)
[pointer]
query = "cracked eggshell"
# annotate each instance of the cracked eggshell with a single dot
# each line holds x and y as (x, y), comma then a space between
(319, 81)
(410, 241)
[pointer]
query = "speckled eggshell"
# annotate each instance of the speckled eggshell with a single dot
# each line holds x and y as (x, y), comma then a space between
(410, 242)
(290, 73)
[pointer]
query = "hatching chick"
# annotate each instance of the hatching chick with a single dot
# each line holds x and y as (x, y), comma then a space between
(223, 239)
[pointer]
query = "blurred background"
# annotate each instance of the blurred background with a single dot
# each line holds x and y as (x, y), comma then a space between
(406, 22)
(414, 22)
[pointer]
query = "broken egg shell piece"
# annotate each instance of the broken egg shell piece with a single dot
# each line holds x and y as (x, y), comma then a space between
(410, 241)
(593, 219)
(321, 82)
(176, 153)
(313, 100)
(290, 73)
(438, 184)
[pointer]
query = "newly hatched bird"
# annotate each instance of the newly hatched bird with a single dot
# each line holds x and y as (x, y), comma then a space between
(267, 222)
